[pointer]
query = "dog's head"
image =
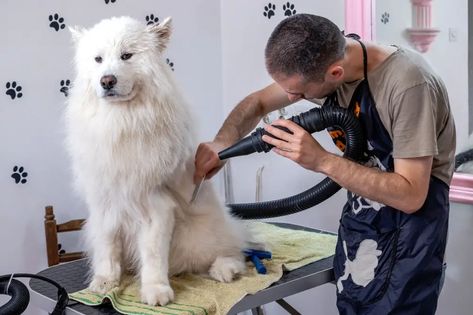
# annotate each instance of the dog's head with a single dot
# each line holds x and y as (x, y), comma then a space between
(116, 56)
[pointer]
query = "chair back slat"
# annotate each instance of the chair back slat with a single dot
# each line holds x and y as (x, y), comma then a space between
(73, 225)
(70, 256)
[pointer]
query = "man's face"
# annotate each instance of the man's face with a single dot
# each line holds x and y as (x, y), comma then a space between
(297, 88)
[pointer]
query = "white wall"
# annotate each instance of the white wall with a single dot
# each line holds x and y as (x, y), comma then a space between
(449, 58)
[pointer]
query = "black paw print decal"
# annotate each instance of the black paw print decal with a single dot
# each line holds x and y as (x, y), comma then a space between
(269, 10)
(19, 175)
(385, 17)
(13, 90)
(288, 9)
(109, 1)
(151, 19)
(170, 63)
(65, 87)
(56, 22)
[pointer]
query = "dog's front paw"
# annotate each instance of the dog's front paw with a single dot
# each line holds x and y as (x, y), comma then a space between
(224, 269)
(154, 294)
(102, 285)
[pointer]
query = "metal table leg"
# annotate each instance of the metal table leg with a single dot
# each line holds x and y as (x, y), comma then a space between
(257, 311)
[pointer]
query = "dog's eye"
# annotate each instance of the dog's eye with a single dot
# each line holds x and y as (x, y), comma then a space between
(126, 56)
(98, 59)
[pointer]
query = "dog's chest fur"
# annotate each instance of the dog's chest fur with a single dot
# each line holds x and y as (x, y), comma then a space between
(137, 143)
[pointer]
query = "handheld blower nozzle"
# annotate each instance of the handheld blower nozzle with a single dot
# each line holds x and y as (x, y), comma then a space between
(248, 145)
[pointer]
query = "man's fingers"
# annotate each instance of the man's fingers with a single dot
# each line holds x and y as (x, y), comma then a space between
(206, 161)
(292, 126)
(287, 154)
(212, 172)
(197, 176)
(276, 132)
(210, 164)
(293, 129)
(201, 160)
(280, 144)
(206, 166)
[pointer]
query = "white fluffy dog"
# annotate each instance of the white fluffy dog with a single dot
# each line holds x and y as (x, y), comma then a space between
(131, 139)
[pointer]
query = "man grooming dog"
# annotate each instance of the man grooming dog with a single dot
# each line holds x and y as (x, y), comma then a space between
(131, 140)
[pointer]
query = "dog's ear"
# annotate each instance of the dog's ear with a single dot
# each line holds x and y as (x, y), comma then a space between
(77, 32)
(162, 31)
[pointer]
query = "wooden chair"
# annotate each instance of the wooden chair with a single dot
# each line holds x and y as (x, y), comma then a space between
(55, 254)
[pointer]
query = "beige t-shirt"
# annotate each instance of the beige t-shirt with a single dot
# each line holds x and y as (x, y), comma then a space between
(413, 105)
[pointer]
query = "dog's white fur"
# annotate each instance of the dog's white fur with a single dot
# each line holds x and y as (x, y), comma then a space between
(132, 149)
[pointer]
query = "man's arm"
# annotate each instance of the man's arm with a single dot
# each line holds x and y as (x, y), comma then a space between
(248, 113)
(241, 120)
(404, 189)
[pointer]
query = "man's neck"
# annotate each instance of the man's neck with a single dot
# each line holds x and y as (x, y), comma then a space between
(353, 61)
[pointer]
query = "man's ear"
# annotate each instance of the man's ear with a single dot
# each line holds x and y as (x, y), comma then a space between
(77, 32)
(334, 73)
(162, 32)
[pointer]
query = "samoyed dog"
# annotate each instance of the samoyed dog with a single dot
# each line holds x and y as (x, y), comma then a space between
(131, 139)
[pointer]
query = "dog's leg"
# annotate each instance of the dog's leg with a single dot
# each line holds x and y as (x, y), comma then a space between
(106, 253)
(154, 245)
(224, 269)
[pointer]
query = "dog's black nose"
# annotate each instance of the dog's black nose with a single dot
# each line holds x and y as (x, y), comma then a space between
(108, 82)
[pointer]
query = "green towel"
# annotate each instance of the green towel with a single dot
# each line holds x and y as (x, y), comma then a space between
(199, 295)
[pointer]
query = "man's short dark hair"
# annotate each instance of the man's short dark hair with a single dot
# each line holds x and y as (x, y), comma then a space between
(304, 44)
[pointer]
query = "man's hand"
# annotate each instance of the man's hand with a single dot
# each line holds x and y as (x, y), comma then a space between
(206, 161)
(299, 146)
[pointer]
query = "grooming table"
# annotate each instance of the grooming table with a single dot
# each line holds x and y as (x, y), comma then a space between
(72, 276)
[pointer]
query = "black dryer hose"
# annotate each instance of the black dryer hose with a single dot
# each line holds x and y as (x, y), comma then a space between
(19, 297)
(317, 119)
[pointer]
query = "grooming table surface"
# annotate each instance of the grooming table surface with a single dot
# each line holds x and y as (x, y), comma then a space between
(73, 275)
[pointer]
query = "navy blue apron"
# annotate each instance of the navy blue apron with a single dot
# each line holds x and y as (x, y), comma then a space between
(387, 261)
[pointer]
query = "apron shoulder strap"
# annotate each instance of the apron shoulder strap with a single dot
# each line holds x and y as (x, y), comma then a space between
(365, 59)
(365, 54)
